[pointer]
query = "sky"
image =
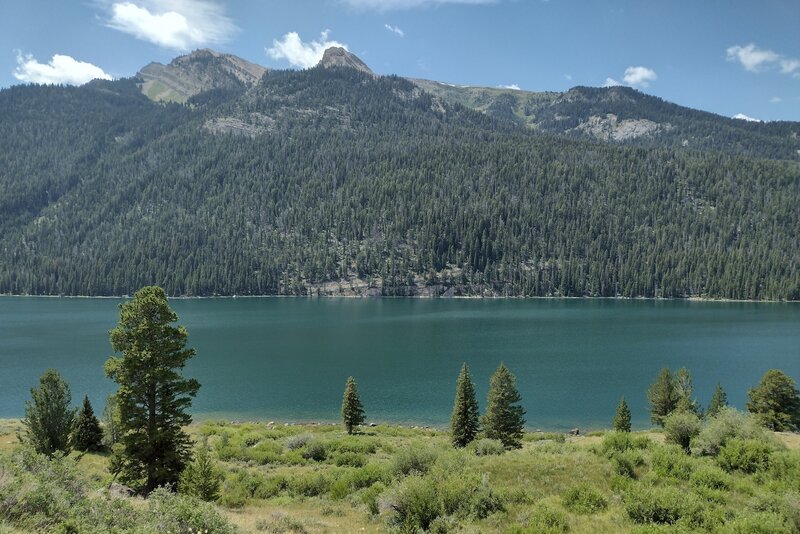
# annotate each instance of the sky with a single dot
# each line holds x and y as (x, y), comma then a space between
(725, 56)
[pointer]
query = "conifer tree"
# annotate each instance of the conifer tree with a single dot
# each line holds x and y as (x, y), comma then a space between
(718, 401)
(352, 409)
(464, 423)
(622, 419)
(662, 396)
(153, 395)
(48, 417)
(202, 478)
(504, 420)
(87, 434)
(684, 391)
(775, 402)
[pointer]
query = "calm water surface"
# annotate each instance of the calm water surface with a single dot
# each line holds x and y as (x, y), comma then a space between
(287, 359)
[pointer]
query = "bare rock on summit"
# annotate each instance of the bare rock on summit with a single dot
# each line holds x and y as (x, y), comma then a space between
(202, 70)
(336, 56)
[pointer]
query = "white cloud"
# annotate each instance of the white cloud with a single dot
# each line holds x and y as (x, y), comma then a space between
(639, 76)
(568, 77)
(742, 116)
(61, 70)
(176, 24)
(395, 30)
(513, 86)
(388, 5)
(299, 54)
(776, 99)
(611, 82)
(755, 59)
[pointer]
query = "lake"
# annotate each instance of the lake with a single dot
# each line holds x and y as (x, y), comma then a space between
(287, 359)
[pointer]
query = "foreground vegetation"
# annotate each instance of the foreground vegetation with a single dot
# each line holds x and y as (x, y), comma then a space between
(316, 478)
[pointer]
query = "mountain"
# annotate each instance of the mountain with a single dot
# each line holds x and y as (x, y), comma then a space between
(337, 56)
(332, 181)
(194, 73)
(627, 116)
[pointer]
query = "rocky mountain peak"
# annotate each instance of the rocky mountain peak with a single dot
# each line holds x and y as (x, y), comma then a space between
(336, 56)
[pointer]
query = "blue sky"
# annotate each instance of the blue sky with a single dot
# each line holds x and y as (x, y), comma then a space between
(724, 56)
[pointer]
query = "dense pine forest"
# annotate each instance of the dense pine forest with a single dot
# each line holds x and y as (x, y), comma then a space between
(331, 180)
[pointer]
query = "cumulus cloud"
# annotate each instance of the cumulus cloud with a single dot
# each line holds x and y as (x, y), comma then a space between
(60, 70)
(755, 59)
(639, 76)
(743, 117)
(513, 86)
(395, 29)
(301, 54)
(611, 82)
(176, 24)
(389, 5)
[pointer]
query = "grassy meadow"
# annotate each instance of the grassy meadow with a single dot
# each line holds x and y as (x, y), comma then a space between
(280, 478)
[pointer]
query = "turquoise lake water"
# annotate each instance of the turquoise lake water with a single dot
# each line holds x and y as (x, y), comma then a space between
(287, 359)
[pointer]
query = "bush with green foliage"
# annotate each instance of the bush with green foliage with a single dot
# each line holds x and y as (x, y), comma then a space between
(775, 401)
(543, 519)
(315, 450)
(661, 505)
(710, 477)
(87, 434)
(745, 455)
(670, 461)
(48, 417)
(464, 422)
(681, 427)
(584, 499)
(352, 409)
(487, 447)
(504, 418)
(726, 424)
(413, 460)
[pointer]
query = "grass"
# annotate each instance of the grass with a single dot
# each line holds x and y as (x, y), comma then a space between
(317, 479)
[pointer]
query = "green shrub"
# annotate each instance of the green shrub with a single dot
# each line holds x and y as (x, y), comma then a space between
(784, 467)
(681, 427)
(486, 447)
(416, 503)
(657, 505)
(616, 442)
(349, 459)
(623, 464)
(170, 512)
(729, 423)
(350, 480)
(315, 450)
(412, 460)
(584, 499)
(371, 495)
(544, 519)
(280, 524)
(238, 487)
(359, 445)
(669, 461)
(758, 523)
(201, 478)
(745, 455)
(710, 477)
(308, 485)
(297, 442)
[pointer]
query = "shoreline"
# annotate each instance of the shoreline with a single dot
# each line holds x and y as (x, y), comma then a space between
(416, 297)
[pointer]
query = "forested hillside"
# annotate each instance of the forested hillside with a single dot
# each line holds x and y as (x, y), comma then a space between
(331, 180)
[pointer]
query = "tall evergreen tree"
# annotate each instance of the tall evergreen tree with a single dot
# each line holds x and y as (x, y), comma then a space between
(112, 432)
(48, 416)
(775, 401)
(718, 401)
(87, 434)
(662, 396)
(464, 422)
(504, 420)
(153, 395)
(622, 419)
(685, 392)
(352, 409)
